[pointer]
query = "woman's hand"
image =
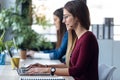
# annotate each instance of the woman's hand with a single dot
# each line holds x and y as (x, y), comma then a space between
(38, 70)
(30, 53)
(35, 65)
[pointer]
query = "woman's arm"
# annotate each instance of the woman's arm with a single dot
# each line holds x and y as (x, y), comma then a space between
(61, 65)
(58, 71)
(62, 71)
(56, 53)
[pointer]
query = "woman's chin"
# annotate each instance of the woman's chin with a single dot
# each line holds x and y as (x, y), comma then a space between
(69, 29)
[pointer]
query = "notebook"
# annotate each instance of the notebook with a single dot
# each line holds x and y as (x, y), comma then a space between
(22, 72)
(43, 78)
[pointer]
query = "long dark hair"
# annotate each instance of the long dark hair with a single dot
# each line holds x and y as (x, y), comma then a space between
(61, 32)
(79, 9)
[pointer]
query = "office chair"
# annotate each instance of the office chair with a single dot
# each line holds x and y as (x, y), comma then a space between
(105, 71)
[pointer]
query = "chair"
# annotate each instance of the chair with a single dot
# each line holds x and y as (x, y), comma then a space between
(105, 71)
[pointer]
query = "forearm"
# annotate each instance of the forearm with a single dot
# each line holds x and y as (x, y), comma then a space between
(59, 71)
(61, 65)
(62, 72)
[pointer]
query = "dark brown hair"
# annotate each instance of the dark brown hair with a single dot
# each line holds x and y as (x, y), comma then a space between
(79, 10)
(61, 32)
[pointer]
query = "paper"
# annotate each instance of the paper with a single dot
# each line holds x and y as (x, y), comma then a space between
(41, 55)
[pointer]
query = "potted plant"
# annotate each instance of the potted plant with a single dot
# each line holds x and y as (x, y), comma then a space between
(24, 36)
(12, 19)
(28, 39)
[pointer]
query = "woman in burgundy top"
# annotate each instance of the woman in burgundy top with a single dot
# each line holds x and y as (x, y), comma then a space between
(82, 51)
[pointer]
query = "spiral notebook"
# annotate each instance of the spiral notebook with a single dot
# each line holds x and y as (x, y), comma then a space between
(42, 78)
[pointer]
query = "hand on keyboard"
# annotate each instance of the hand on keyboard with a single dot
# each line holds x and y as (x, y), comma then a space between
(35, 65)
(23, 71)
(38, 70)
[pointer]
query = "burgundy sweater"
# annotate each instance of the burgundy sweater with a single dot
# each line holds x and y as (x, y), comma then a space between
(84, 58)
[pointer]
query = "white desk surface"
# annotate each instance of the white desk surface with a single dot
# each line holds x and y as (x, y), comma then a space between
(7, 73)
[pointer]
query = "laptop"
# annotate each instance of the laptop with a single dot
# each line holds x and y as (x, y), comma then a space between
(22, 72)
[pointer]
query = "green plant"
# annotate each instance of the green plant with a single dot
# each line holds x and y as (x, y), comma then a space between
(5, 18)
(26, 10)
(24, 36)
(44, 43)
(3, 44)
(11, 18)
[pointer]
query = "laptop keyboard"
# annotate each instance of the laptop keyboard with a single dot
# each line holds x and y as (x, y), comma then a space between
(22, 72)
(42, 76)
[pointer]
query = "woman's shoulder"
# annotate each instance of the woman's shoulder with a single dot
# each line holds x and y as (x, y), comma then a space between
(88, 35)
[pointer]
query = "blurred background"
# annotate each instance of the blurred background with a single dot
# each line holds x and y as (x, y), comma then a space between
(105, 24)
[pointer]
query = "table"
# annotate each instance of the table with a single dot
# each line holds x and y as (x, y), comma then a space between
(7, 73)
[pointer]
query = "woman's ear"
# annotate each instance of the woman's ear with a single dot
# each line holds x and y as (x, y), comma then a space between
(76, 21)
